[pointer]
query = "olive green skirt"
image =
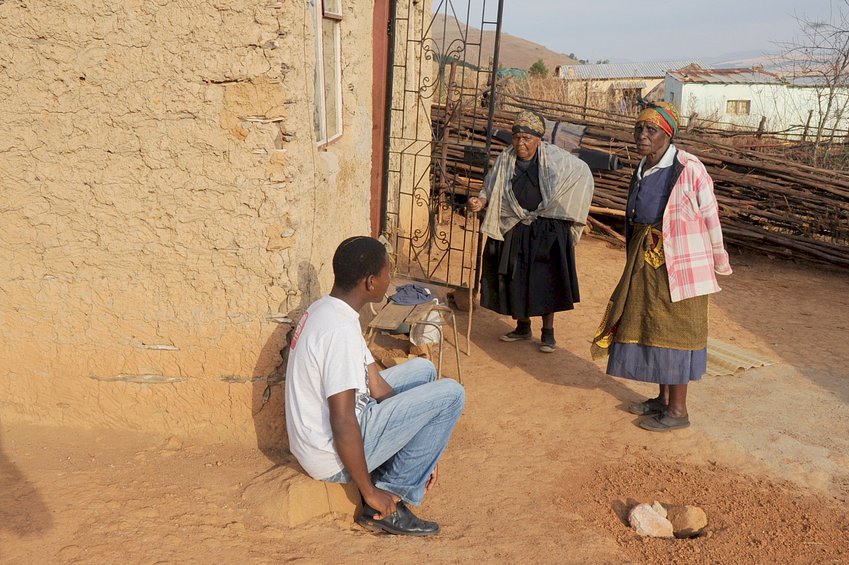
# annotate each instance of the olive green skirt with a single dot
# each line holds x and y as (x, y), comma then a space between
(641, 310)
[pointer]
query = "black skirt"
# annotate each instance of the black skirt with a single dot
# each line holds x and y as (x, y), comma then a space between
(531, 272)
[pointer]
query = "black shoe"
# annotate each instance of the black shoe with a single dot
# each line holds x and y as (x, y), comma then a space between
(549, 344)
(649, 407)
(402, 522)
(516, 336)
(522, 331)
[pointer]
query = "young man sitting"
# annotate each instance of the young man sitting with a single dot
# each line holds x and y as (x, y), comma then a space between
(346, 420)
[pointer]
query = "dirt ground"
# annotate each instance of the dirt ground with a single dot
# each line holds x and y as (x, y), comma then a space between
(542, 468)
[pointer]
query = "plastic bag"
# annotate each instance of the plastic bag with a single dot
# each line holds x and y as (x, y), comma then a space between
(422, 333)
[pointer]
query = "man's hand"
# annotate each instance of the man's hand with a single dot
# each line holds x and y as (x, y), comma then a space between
(476, 204)
(349, 445)
(378, 387)
(382, 501)
(434, 478)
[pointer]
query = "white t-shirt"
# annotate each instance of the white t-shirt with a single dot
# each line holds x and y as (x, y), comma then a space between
(327, 355)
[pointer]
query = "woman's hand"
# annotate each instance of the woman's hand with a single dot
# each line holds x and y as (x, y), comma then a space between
(476, 204)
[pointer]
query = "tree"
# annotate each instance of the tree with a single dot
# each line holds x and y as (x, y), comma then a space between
(538, 69)
(820, 55)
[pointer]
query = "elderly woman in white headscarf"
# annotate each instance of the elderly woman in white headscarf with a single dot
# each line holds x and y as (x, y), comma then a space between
(536, 197)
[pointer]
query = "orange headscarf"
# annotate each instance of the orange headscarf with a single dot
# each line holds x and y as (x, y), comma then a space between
(663, 114)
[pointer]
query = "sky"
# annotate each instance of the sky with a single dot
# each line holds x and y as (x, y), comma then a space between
(637, 30)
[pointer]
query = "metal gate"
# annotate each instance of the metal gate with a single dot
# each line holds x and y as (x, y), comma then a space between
(442, 63)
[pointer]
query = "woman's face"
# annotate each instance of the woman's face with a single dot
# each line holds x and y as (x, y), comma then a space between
(650, 139)
(525, 145)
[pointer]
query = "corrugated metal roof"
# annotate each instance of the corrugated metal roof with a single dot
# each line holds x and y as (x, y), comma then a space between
(697, 74)
(609, 71)
(726, 359)
(513, 72)
(808, 81)
(626, 84)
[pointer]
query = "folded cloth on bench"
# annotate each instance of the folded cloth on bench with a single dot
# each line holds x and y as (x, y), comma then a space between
(411, 294)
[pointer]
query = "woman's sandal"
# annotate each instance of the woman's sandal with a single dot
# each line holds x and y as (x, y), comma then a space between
(650, 407)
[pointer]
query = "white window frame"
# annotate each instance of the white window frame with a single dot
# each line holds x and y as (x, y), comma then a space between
(733, 107)
(323, 83)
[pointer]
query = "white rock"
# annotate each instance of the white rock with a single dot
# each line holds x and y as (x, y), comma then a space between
(658, 507)
(647, 522)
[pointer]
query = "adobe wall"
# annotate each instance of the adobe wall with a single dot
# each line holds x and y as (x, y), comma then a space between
(163, 203)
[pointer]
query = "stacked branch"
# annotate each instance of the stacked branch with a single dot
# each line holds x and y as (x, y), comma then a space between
(766, 203)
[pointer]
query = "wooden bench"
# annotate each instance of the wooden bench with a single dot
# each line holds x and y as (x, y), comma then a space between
(392, 316)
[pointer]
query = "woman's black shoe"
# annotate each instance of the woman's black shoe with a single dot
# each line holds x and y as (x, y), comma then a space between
(401, 522)
(549, 344)
(516, 336)
(522, 331)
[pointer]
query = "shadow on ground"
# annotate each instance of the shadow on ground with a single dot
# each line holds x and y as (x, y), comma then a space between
(562, 367)
(23, 511)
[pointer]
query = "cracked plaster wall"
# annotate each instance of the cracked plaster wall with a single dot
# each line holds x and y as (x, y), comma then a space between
(162, 201)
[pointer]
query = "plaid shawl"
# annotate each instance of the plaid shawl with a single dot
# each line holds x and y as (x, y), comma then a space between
(566, 184)
(692, 236)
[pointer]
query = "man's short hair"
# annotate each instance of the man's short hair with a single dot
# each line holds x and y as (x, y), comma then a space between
(357, 258)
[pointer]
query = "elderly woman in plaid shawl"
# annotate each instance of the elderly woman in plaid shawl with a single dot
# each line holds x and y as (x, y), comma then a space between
(536, 197)
(656, 323)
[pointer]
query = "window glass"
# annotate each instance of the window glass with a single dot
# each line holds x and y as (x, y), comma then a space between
(332, 8)
(332, 80)
(328, 76)
(738, 107)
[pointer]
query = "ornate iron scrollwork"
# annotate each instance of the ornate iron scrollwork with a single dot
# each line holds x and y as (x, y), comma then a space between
(433, 238)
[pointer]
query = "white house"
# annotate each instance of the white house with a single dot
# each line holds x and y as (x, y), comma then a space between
(745, 97)
(617, 85)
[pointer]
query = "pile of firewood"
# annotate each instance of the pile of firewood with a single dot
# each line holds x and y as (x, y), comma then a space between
(766, 203)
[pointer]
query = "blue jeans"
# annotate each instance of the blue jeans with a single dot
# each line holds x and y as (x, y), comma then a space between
(404, 435)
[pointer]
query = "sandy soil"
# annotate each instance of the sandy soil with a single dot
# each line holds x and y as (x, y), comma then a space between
(542, 469)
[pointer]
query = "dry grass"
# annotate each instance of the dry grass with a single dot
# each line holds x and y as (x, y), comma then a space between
(556, 90)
